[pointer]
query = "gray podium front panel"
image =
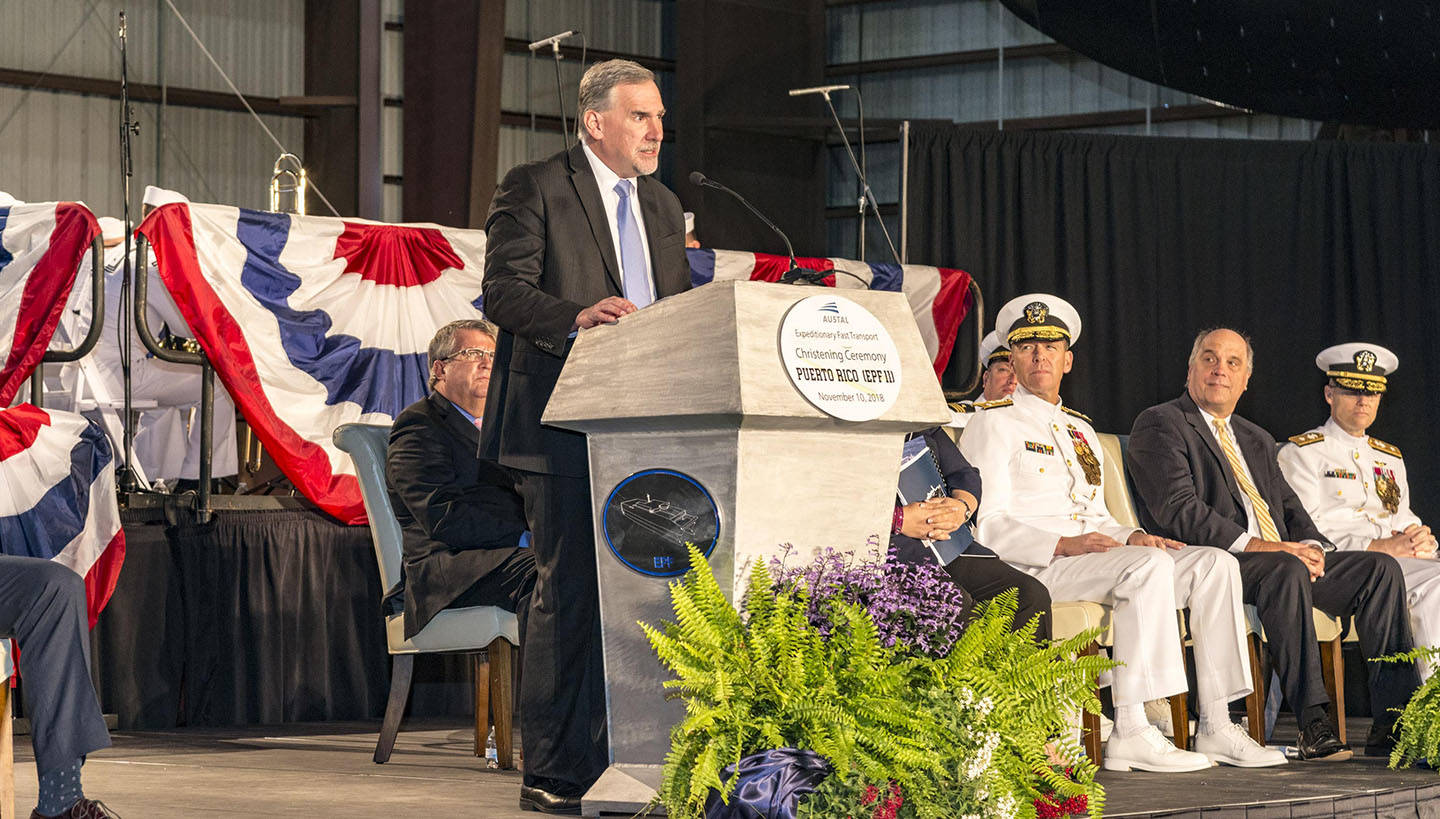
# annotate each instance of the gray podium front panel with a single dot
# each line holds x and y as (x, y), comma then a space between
(695, 385)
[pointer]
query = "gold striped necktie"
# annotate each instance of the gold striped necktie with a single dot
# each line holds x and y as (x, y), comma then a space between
(1262, 509)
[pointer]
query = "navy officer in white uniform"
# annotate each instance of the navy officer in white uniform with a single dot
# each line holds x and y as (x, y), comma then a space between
(997, 381)
(1355, 487)
(1044, 512)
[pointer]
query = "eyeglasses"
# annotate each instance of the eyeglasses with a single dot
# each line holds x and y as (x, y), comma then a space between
(473, 354)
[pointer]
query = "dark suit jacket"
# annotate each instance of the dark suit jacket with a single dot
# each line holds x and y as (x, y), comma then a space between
(1187, 488)
(549, 255)
(460, 515)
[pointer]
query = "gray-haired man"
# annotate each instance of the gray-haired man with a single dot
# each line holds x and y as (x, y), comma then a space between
(582, 238)
(460, 517)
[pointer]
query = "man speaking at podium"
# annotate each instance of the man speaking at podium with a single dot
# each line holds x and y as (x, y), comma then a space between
(580, 239)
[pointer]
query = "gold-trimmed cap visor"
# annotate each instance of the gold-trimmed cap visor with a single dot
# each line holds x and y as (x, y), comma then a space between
(1042, 332)
(1359, 382)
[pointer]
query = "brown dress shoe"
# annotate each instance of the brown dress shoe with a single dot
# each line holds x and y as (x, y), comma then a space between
(84, 809)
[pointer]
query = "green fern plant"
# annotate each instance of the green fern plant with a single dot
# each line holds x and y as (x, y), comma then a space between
(1418, 727)
(771, 681)
(960, 734)
(1027, 695)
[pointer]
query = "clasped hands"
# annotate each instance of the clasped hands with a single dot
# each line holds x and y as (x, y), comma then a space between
(1415, 541)
(934, 519)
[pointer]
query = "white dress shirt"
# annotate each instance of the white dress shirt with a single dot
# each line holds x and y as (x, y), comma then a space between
(605, 179)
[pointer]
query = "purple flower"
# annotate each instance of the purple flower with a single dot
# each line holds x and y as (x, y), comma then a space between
(916, 608)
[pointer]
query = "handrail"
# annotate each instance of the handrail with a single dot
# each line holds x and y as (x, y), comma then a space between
(979, 313)
(92, 336)
(164, 353)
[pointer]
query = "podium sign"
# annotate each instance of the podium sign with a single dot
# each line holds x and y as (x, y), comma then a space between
(740, 417)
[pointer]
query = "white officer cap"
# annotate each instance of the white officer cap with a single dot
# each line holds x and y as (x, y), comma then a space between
(111, 229)
(155, 197)
(1037, 316)
(991, 350)
(1357, 366)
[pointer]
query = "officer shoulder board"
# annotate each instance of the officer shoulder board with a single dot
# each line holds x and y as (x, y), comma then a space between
(962, 407)
(1078, 414)
(1307, 438)
(987, 405)
(1388, 449)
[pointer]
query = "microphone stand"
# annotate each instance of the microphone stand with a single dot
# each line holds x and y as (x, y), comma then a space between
(560, 94)
(554, 43)
(128, 127)
(867, 196)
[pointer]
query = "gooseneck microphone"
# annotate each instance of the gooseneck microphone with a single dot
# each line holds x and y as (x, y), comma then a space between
(796, 274)
(819, 89)
(553, 40)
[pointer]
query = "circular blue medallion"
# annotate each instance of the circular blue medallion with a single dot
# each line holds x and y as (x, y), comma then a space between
(652, 515)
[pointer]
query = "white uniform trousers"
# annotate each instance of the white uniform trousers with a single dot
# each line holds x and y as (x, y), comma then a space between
(1143, 587)
(1422, 594)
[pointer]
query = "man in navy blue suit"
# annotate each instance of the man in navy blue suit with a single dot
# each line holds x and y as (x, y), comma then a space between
(42, 607)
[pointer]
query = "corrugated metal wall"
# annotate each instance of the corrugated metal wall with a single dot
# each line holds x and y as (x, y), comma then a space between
(977, 92)
(65, 146)
(1031, 87)
(626, 26)
(58, 145)
(642, 27)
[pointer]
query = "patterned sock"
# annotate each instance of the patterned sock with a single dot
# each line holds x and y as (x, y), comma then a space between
(60, 789)
(1129, 720)
(1214, 716)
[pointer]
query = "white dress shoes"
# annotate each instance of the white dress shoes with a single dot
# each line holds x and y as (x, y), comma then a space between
(1232, 746)
(1149, 750)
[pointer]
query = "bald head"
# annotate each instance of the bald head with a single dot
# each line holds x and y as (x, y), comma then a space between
(1221, 362)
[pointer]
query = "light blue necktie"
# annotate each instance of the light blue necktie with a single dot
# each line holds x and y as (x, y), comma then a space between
(634, 271)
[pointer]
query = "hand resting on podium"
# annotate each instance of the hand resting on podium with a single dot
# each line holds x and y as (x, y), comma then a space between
(606, 311)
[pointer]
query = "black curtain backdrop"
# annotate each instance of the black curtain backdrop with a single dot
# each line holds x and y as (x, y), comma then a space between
(1299, 244)
(255, 618)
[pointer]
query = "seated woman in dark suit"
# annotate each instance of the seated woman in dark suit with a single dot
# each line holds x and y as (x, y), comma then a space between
(976, 570)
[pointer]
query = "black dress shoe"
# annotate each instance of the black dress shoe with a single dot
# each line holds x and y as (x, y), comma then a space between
(1318, 742)
(537, 799)
(83, 809)
(1381, 740)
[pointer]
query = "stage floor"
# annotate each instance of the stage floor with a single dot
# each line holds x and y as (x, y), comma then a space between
(324, 769)
(315, 770)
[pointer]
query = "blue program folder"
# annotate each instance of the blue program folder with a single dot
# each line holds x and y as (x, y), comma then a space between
(920, 479)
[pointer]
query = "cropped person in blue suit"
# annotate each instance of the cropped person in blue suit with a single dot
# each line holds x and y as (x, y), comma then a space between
(42, 607)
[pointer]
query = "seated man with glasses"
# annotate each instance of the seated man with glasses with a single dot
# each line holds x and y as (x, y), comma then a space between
(463, 523)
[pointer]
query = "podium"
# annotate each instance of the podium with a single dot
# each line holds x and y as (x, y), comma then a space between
(741, 417)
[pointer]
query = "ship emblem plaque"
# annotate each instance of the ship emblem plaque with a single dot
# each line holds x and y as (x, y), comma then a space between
(653, 514)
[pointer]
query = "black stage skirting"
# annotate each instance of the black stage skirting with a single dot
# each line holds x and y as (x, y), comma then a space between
(258, 617)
